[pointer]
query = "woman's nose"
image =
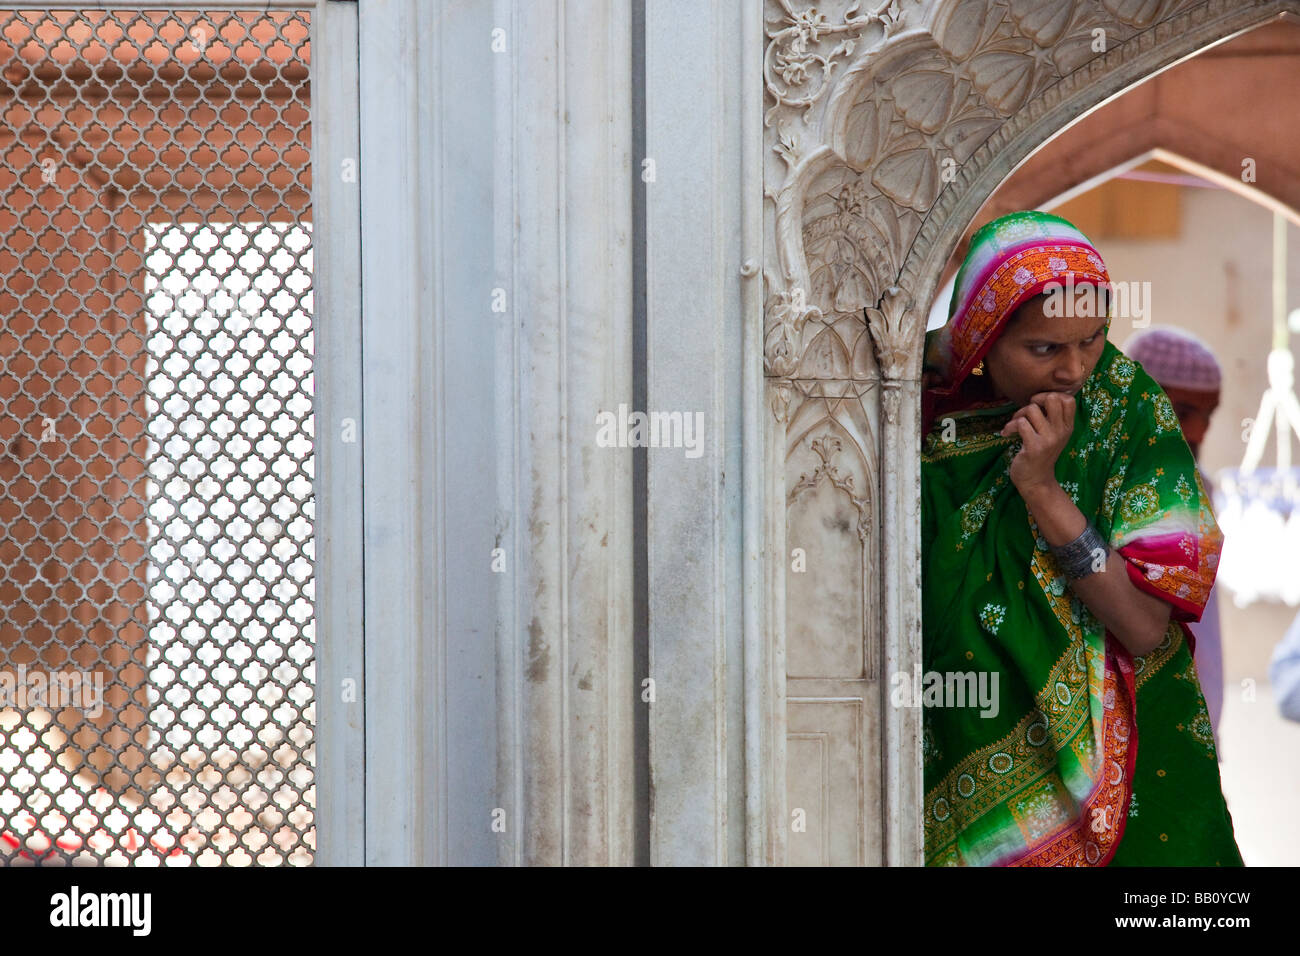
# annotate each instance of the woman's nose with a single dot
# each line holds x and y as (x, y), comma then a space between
(1070, 367)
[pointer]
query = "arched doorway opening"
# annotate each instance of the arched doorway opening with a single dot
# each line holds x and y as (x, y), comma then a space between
(885, 168)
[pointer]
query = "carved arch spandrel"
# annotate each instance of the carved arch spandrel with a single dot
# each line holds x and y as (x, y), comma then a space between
(894, 91)
(1159, 35)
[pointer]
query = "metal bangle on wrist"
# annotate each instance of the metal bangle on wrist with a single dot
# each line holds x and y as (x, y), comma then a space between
(1078, 558)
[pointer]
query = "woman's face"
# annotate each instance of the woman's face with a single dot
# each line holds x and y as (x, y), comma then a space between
(1044, 353)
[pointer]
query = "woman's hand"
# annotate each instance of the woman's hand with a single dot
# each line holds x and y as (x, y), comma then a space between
(1044, 426)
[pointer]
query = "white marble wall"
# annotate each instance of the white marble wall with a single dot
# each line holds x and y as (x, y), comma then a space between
(495, 205)
(707, 648)
(496, 261)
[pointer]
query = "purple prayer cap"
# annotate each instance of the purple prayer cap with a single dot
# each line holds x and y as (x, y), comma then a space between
(1175, 359)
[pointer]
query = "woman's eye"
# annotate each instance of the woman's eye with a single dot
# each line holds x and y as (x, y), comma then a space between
(1041, 349)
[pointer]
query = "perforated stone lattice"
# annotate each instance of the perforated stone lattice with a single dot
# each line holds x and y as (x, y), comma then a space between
(156, 509)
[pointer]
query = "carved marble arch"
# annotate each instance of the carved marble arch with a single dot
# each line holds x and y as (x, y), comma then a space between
(889, 125)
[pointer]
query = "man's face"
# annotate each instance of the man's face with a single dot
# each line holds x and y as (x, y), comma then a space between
(1193, 409)
(1043, 353)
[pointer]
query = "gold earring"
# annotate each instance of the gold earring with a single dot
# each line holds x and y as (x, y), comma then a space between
(978, 369)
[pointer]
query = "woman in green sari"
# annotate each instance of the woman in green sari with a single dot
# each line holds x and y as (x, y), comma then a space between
(1066, 539)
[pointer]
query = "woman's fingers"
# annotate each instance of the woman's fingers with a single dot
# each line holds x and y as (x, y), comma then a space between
(1035, 415)
(1068, 405)
(1049, 416)
(1050, 404)
(1059, 408)
(1014, 426)
(1030, 435)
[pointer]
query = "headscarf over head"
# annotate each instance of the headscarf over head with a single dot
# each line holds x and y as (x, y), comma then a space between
(1011, 260)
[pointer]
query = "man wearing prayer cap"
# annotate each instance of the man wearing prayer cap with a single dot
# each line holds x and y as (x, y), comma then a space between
(1186, 369)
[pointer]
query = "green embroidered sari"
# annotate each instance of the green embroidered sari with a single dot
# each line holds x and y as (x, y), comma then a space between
(1092, 757)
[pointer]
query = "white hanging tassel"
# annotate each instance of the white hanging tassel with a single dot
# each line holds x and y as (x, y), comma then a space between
(1259, 508)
